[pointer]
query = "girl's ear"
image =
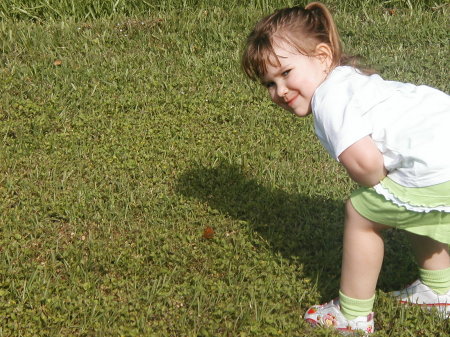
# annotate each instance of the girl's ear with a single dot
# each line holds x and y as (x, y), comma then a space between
(324, 53)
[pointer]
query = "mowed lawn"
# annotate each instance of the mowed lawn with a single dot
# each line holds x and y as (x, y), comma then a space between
(147, 188)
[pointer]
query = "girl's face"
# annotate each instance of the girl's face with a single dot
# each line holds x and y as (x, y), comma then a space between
(292, 84)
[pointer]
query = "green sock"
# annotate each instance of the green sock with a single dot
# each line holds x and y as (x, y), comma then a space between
(437, 280)
(352, 307)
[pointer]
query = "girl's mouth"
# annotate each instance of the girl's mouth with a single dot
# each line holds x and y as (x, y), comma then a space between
(291, 101)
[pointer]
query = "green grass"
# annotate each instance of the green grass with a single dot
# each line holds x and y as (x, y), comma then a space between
(114, 162)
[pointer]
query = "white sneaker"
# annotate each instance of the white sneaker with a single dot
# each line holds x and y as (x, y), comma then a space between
(330, 315)
(420, 294)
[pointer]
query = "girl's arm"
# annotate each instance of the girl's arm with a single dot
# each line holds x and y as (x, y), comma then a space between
(364, 162)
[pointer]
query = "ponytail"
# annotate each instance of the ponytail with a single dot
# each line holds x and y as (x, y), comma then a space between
(326, 30)
(303, 28)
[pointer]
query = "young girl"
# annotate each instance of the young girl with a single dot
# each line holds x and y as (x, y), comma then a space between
(392, 138)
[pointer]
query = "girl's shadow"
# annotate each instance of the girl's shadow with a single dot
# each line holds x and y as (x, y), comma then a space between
(302, 228)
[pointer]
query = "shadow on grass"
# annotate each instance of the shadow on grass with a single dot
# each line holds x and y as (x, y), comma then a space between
(302, 228)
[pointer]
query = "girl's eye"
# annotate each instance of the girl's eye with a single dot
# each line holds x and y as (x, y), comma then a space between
(285, 73)
(269, 84)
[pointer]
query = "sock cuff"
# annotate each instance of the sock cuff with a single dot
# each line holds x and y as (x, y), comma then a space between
(438, 275)
(347, 299)
(437, 280)
(353, 307)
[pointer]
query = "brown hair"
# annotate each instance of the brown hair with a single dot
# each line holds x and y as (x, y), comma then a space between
(300, 27)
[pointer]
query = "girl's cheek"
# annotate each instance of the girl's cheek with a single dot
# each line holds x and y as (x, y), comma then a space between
(272, 96)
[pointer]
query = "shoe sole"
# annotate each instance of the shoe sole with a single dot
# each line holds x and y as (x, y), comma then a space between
(344, 331)
(312, 322)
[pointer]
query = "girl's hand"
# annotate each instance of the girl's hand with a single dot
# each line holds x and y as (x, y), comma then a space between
(364, 162)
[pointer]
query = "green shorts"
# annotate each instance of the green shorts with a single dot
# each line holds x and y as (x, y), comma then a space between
(434, 224)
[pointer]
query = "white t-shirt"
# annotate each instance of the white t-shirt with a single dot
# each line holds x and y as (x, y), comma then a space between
(409, 124)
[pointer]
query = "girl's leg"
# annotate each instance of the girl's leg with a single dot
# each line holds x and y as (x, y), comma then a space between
(434, 261)
(361, 263)
(430, 254)
(433, 288)
(362, 255)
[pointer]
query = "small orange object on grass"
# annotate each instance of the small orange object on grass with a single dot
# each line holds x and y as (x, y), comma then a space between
(208, 232)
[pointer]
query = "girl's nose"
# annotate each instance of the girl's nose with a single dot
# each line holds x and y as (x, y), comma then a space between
(282, 91)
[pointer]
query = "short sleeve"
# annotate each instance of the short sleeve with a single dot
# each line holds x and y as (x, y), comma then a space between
(338, 108)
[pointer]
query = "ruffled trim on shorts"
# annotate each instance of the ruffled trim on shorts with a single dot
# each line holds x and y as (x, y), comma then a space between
(421, 199)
